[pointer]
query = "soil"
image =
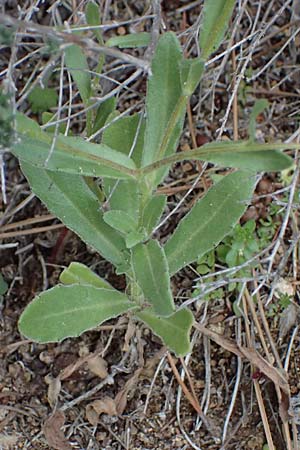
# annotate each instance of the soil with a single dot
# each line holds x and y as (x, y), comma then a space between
(116, 387)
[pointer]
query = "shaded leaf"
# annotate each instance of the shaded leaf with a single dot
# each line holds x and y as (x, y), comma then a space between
(163, 92)
(68, 311)
(120, 220)
(70, 199)
(77, 65)
(173, 330)
(216, 16)
(103, 112)
(134, 40)
(210, 220)
(53, 431)
(151, 271)
(78, 273)
(191, 73)
(3, 285)
(92, 17)
(125, 135)
(42, 99)
(259, 106)
(153, 212)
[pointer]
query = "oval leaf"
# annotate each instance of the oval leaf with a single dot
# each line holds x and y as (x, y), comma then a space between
(210, 220)
(173, 330)
(152, 274)
(216, 16)
(68, 311)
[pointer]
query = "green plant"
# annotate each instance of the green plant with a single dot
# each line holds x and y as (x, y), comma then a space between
(132, 159)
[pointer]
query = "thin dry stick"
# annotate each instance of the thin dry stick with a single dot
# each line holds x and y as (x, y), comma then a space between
(256, 385)
(25, 222)
(31, 231)
(66, 39)
(193, 401)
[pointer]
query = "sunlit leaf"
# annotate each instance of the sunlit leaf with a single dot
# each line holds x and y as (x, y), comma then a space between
(70, 154)
(71, 200)
(68, 311)
(210, 220)
(152, 274)
(173, 330)
(78, 273)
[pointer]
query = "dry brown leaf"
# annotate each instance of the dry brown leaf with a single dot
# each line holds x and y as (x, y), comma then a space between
(98, 366)
(105, 406)
(151, 363)
(54, 387)
(128, 335)
(288, 318)
(67, 371)
(122, 396)
(53, 433)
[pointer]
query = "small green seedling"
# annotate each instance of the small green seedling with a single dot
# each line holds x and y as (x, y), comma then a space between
(133, 158)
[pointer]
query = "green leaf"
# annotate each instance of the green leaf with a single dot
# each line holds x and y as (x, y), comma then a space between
(71, 200)
(153, 211)
(103, 112)
(71, 154)
(78, 273)
(126, 134)
(259, 106)
(42, 99)
(191, 73)
(120, 220)
(134, 40)
(152, 274)
(49, 117)
(240, 154)
(210, 220)
(163, 93)
(68, 311)
(92, 17)
(77, 65)
(7, 35)
(135, 237)
(216, 16)
(122, 136)
(257, 162)
(3, 285)
(173, 330)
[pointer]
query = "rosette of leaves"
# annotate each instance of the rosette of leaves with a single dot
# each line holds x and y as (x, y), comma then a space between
(132, 159)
